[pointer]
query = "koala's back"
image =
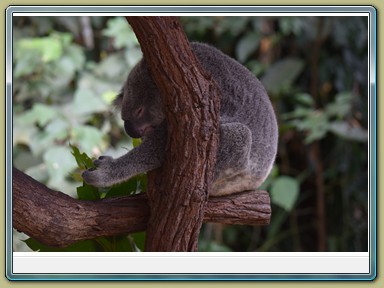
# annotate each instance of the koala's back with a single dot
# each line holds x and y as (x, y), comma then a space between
(244, 100)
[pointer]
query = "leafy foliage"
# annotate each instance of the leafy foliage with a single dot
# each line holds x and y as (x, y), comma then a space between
(330, 119)
(129, 243)
(284, 192)
(62, 96)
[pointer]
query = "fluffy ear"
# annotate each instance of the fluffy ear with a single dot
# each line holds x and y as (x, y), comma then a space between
(118, 100)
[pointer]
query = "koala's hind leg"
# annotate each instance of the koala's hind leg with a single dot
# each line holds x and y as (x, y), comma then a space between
(232, 172)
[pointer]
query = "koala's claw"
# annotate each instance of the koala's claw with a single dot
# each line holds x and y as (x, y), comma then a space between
(99, 176)
(105, 158)
(102, 160)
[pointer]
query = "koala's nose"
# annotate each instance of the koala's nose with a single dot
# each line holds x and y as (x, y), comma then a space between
(131, 130)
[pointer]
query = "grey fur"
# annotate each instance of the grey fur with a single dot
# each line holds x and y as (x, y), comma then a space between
(248, 127)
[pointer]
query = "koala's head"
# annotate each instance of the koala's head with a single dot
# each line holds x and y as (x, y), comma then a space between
(140, 103)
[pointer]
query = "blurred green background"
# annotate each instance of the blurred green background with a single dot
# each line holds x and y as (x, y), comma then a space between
(67, 70)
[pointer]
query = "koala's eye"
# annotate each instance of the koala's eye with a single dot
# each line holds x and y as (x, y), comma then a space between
(139, 112)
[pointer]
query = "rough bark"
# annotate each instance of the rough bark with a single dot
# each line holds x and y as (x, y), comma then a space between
(58, 220)
(178, 192)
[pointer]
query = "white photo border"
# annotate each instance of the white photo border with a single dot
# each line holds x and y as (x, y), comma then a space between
(15, 270)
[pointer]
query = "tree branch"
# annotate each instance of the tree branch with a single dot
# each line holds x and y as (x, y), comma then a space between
(55, 219)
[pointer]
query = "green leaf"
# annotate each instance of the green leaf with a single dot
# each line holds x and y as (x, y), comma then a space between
(134, 185)
(123, 243)
(122, 33)
(112, 68)
(138, 240)
(37, 246)
(246, 46)
(76, 54)
(133, 55)
(105, 243)
(59, 163)
(88, 138)
(314, 123)
(317, 126)
(27, 64)
(284, 192)
(293, 25)
(255, 67)
(38, 172)
(133, 244)
(50, 48)
(82, 159)
(40, 114)
(23, 132)
(304, 99)
(81, 246)
(109, 97)
(86, 102)
(136, 142)
(282, 74)
(65, 68)
(55, 131)
(341, 106)
(88, 192)
(299, 112)
(345, 130)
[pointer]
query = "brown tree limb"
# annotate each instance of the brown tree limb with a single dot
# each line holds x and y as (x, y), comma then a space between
(178, 192)
(55, 219)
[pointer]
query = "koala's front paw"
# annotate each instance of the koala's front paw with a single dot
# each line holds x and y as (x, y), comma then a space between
(102, 175)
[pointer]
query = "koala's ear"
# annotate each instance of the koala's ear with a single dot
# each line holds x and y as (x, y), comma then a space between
(118, 100)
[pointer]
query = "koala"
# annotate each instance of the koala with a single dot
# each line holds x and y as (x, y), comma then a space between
(248, 127)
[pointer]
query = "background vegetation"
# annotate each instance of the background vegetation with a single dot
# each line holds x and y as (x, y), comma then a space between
(67, 70)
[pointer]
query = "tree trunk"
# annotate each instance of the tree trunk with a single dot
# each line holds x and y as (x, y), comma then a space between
(57, 220)
(178, 192)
